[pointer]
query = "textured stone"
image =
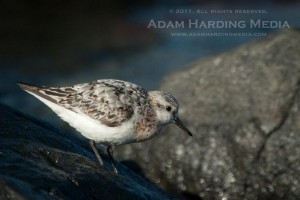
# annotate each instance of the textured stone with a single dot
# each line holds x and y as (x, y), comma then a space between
(39, 162)
(242, 109)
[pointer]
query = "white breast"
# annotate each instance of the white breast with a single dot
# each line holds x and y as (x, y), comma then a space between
(93, 129)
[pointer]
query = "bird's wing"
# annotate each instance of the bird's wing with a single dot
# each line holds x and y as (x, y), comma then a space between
(111, 102)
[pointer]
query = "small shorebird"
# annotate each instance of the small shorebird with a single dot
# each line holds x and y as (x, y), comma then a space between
(111, 112)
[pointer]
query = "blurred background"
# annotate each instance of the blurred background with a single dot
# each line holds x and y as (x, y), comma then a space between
(60, 43)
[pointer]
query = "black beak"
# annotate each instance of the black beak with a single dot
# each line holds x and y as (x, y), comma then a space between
(179, 123)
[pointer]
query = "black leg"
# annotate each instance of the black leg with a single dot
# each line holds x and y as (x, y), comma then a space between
(92, 143)
(110, 154)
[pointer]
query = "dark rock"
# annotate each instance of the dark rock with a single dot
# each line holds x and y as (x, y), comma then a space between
(39, 162)
(242, 109)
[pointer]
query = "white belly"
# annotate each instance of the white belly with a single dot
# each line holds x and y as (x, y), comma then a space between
(92, 129)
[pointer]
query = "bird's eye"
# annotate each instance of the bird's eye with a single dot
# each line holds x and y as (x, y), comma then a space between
(168, 108)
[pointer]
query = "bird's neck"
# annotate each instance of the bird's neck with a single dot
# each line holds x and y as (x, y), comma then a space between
(147, 130)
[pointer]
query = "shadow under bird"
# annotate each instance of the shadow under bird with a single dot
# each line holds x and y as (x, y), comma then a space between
(110, 112)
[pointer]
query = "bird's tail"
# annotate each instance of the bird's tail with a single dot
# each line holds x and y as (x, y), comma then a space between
(36, 90)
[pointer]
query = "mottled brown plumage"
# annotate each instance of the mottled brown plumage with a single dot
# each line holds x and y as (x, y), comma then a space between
(110, 102)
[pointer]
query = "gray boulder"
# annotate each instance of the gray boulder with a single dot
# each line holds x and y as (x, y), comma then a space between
(242, 107)
(38, 161)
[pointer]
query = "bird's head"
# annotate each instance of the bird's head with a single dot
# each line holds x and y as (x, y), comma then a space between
(166, 108)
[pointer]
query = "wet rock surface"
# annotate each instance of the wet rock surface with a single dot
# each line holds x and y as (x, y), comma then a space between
(39, 162)
(242, 107)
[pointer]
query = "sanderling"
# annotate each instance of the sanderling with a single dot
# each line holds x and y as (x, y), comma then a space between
(111, 112)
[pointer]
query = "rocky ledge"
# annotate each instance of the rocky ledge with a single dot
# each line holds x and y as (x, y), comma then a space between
(243, 109)
(38, 161)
